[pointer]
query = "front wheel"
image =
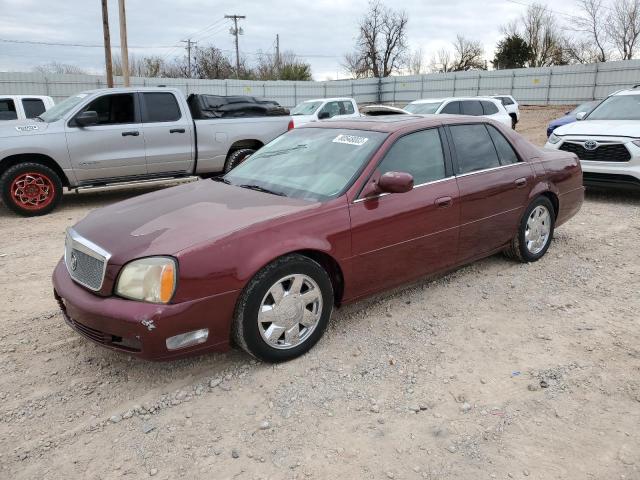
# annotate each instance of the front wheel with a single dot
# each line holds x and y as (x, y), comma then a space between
(534, 233)
(284, 309)
(236, 158)
(30, 189)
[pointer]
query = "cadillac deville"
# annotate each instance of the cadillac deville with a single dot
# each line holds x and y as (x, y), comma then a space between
(322, 216)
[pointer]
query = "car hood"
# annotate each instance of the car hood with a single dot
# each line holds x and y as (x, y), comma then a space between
(16, 128)
(609, 128)
(170, 220)
(562, 120)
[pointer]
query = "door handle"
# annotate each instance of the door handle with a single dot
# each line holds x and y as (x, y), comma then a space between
(132, 133)
(177, 130)
(443, 202)
(521, 182)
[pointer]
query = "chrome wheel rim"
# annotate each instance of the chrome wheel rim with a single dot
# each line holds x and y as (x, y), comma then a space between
(536, 235)
(290, 311)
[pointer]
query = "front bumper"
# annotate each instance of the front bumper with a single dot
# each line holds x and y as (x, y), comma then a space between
(140, 328)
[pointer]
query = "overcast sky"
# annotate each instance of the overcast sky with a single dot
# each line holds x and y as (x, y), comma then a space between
(321, 31)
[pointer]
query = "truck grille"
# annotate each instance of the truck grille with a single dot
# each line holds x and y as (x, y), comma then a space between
(613, 152)
(85, 261)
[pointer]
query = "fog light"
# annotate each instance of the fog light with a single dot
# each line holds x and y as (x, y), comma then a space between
(188, 339)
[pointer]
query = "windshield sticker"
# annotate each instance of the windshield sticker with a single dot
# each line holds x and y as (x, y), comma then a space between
(350, 140)
(27, 128)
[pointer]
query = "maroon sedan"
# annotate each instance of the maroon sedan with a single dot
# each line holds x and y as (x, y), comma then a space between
(323, 215)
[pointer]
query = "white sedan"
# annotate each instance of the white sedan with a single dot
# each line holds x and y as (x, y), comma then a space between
(474, 106)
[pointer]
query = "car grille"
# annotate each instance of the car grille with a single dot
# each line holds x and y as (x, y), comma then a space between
(613, 152)
(86, 263)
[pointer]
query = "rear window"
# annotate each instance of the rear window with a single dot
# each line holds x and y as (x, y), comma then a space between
(452, 108)
(505, 150)
(489, 108)
(7, 109)
(160, 107)
(472, 107)
(33, 107)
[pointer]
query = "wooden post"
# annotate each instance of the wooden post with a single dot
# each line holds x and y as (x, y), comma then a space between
(124, 51)
(107, 44)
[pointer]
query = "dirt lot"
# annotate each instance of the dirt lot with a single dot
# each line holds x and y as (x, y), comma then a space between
(499, 370)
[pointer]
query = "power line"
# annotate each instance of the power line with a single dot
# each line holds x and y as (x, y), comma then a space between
(84, 45)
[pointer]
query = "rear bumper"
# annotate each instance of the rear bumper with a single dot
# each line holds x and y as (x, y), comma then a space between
(139, 328)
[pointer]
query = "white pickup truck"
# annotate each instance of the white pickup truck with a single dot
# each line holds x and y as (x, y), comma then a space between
(111, 136)
(324, 108)
(20, 107)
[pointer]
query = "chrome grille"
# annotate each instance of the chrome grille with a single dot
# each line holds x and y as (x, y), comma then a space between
(85, 261)
(603, 152)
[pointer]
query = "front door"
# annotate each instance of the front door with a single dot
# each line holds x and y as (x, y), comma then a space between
(112, 149)
(397, 238)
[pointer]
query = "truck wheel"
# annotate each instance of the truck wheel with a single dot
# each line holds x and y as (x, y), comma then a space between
(236, 158)
(30, 189)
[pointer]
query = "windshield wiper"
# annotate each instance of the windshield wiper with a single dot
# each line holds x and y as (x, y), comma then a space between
(39, 118)
(281, 151)
(221, 179)
(258, 188)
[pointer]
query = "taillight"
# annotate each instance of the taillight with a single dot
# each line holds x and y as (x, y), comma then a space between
(290, 126)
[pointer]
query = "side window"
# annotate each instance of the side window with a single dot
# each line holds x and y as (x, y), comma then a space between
(507, 101)
(471, 107)
(419, 154)
(8, 109)
(160, 107)
(452, 108)
(489, 108)
(333, 108)
(114, 109)
(505, 150)
(347, 108)
(474, 148)
(33, 107)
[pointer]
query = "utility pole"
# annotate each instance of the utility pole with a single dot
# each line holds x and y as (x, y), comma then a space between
(107, 44)
(124, 51)
(188, 47)
(278, 54)
(234, 31)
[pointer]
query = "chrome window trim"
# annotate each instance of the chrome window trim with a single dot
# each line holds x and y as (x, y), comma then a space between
(489, 169)
(75, 241)
(384, 194)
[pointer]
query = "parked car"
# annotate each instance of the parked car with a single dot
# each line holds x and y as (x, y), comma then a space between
(607, 141)
(474, 106)
(322, 216)
(109, 136)
(570, 116)
(21, 107)
(324, 108)
(511, 106)
(379, 110)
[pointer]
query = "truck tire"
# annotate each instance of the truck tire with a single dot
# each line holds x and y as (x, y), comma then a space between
(236, 158)
(30, 189)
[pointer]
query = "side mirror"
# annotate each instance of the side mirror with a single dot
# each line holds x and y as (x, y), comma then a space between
(581, 115)
(395, 182)
(567, 112)
(86, 119)
(324, 115)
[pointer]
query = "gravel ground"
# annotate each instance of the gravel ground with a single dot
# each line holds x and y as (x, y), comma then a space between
(498, 370)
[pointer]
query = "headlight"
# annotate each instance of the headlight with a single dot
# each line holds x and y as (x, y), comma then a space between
(150, 279)
(636, 142)
(553, 138)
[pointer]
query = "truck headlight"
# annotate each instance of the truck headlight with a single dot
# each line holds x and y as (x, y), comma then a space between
(151, 279)
(553, 139)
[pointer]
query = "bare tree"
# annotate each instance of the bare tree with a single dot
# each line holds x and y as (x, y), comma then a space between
(381, 45)
(592, 23)
(441, 61)
(287, 67)
(623, 27)
(416, 62)
(140, 66)
(469, 55)
(542, 33)
(56, 67)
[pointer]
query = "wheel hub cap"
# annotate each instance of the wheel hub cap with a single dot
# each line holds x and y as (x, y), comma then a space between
(32, 191)
(538, 229)
(290, 311)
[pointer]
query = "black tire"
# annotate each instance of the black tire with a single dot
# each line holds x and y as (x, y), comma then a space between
(44, 203)
(518, 249)
(245, 330)
(514, 122)
(236, 158)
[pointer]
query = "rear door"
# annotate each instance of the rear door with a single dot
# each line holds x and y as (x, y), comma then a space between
(33, 107)
(8, 109)
(494, 188)
(399, 237)
(112, 149)
(168, 134)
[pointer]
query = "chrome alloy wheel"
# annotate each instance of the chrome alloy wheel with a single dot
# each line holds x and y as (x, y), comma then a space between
(536, 235)
(290, 311)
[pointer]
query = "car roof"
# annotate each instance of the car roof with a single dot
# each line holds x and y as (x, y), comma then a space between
(131, 89)
(24, 96)
(332, 99)
(445, 99)
(631, 91)
(393, 123)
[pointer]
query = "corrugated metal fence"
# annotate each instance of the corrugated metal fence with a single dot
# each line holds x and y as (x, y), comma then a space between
(534, 86)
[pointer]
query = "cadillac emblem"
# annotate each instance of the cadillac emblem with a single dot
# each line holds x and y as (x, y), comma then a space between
(74, 261)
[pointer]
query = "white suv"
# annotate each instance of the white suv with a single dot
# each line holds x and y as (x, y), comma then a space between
(475, 106)
(607, 140)
(512, 107)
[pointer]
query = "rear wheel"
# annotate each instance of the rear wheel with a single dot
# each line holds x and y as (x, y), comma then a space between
(535, 232)
(284, 309)
(514, 121)
(236, 158)
(31, 189)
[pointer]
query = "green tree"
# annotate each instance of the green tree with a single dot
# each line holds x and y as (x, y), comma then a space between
(512, 52)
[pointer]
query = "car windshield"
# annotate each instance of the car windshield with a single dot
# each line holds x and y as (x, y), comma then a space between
(584, 107)
(306, 108)
(620, 107)
(309, 163)
(58, 111)
(423, 108)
